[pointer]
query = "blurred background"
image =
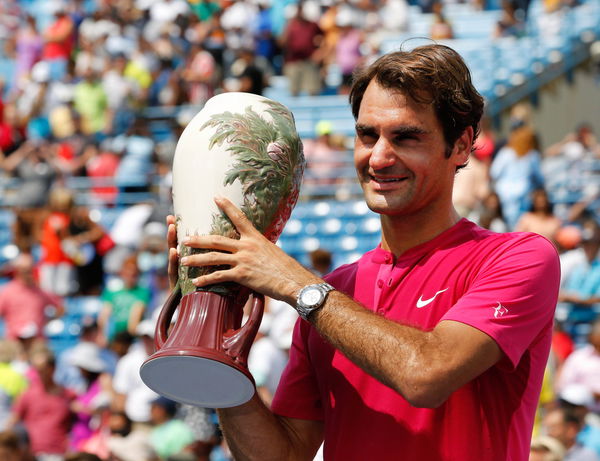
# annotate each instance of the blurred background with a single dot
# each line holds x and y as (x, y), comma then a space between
(93, 97)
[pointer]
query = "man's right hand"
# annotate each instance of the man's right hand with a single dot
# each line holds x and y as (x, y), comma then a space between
(173, 256)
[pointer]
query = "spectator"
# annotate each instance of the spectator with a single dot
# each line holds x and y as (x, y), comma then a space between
(583, 367)
(12, 383)
(124, 306)
(87, 405)
(29, 48)
(200, 74)
(127, 443)
(489, 214)
(546, 449)
(23, 305)
(578, 399)
(131, 394)
(581, 286)
(301, 43)
(91, 101)
(266, 361)
(321, 261)
(68, 373)
(581, 143)
(11, 448)
(249, 76)
(440, 28)
(540, 219)
(348, 55)
(35, 166)
(62, 251)
(564, 426)
(170, 436)
(516, 172)
(58, 39)
(44, 410)
(324, 155)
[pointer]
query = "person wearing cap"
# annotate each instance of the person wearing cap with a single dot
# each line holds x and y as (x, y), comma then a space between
(23, 303)
(170, 436)
(546, 448)
(578, 399)
(564, 425)
(87, 357)
(431, 346)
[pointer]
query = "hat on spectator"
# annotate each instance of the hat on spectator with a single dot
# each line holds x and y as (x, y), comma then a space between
(577, 394)
(169, 405)
(549, 444)
(30, 330)
(86, 355)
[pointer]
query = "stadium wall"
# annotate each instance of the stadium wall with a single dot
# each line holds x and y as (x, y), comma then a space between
(560, 105)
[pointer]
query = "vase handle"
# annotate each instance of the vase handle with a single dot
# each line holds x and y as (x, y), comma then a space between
(164, 319)
(238, 344)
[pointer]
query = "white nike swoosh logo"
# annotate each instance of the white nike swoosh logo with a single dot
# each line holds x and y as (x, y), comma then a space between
(424, 302)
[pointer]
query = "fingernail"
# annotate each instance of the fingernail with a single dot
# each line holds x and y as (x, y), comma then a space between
(186, 240)
(196, 281)
(184, 260)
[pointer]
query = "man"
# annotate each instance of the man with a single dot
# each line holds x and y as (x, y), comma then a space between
(131, 394)
(45, 410)
(23, 304)
(564, 426)
(431, 346)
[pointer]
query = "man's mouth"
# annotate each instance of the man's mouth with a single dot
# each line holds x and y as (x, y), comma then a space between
(386, 179)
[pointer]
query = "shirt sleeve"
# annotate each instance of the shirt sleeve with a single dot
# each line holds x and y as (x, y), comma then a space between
(514, 296)
(298, 394)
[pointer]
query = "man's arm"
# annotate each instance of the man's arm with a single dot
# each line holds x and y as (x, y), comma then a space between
(424, 367)
(254, 433)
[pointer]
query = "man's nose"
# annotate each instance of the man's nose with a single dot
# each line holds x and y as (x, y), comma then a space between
(382, 155)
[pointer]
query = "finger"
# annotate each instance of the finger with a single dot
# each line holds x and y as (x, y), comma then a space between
(212, 242)
(237, 216)
(213, 258)
(173, 267)
(214, 278)
(171, 232)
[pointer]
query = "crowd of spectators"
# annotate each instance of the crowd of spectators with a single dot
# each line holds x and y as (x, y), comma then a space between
(84, 75)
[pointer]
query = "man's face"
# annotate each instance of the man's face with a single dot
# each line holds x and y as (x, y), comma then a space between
(399, 155)
(556, 427)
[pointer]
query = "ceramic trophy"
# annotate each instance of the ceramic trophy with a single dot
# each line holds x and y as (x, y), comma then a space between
(244, 147)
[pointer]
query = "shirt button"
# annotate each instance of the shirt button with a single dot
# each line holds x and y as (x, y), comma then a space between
(380, 283)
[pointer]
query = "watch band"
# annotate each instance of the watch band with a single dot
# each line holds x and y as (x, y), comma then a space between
(311, 298)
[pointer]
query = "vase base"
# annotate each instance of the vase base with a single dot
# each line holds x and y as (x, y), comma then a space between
(197, 381)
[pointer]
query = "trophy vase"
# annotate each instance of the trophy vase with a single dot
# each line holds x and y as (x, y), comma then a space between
(244, 147)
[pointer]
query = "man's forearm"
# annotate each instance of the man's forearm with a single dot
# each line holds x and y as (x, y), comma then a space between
(424, 367)
(254, 433)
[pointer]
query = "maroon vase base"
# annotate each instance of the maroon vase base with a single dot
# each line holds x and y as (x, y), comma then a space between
(202, 379)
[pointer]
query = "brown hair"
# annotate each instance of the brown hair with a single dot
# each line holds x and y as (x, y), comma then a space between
(523, 140)
(430, 74)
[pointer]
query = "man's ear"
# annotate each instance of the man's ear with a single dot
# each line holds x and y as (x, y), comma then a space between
(463, 145)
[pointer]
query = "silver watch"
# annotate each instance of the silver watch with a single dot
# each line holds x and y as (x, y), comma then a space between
(311, 297)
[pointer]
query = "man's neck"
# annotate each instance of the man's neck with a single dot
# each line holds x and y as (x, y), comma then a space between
(401, 233)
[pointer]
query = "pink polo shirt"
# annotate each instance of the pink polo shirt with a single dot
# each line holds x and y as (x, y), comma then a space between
(505, 285)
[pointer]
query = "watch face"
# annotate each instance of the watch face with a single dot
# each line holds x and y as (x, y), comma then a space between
(312, 297)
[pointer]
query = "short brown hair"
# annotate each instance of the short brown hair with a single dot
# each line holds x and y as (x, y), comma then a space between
(430, 74)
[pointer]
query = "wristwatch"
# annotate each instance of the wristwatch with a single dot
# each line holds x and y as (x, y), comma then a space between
(311, 297)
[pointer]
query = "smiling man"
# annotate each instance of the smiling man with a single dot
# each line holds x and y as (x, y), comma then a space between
(432, 346)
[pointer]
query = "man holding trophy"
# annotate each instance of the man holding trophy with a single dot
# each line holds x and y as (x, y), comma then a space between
(433, 345)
